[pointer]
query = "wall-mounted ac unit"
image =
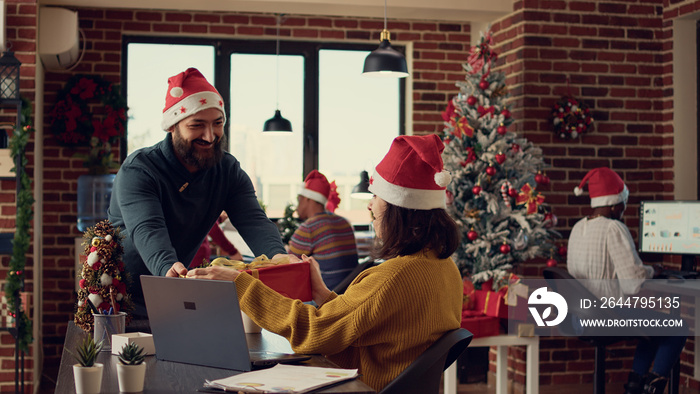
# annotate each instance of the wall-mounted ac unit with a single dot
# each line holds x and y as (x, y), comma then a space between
(58, 37)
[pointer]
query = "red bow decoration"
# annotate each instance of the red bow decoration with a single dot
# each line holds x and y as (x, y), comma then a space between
(483, 111)
(448, 113)
(462, 127)
(333, 198)
(529, 199)
(479, 54)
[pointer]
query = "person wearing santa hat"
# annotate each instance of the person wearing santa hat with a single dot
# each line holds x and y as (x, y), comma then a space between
(601, 247)
(167, 197)
(392, 312)
(324, 235)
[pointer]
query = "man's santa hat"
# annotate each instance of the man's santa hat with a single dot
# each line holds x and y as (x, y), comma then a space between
(188, 93)
(411, 174)
(316, 187)
(605, 187)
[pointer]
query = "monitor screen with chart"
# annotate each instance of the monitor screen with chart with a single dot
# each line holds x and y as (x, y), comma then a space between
(669, 227)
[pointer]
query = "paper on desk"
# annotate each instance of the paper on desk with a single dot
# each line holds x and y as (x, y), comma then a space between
(283, 379)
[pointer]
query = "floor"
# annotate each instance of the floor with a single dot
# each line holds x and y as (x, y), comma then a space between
(613, 388)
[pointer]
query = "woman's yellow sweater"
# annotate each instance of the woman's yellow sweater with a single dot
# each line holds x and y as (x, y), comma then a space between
(387, 317)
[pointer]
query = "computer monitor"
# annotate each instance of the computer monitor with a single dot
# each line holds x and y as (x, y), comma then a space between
(671, 227)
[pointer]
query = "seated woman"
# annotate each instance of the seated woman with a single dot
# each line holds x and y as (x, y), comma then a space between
(390, 313)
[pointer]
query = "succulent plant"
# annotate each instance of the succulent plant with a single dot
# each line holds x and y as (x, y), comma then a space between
(87, 351)
(131, 354)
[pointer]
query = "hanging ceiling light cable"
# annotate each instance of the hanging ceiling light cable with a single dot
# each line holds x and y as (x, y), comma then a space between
(277, 122)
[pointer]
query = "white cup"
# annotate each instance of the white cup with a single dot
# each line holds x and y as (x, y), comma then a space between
(249, 325)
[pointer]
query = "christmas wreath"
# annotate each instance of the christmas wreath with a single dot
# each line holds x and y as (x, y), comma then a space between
(571, 118)
(88, 106)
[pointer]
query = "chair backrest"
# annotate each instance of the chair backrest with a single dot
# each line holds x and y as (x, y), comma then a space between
(343, 285)
(424, 373)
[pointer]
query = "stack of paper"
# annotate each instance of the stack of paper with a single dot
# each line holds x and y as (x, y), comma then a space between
(283, 379)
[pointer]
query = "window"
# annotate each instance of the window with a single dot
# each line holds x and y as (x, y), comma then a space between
(343, 122)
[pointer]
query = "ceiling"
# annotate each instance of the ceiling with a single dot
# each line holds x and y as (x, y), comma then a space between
(463, 11)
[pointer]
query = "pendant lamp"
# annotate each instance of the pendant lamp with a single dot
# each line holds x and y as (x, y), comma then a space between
(361, 190)
(277, 122)
(385, 61)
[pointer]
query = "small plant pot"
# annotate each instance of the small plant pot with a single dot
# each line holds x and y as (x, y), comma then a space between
(131, 377)
(88, 380)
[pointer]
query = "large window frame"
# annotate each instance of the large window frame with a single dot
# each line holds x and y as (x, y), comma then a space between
(222, 66)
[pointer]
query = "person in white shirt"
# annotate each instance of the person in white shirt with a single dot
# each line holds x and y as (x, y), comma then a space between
(601, 247)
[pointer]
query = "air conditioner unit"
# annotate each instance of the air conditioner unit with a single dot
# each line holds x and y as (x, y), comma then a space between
(58, 37)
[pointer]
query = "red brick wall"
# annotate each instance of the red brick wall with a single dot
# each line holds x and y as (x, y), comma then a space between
(614, 53)
(615, 56)
(20, 37)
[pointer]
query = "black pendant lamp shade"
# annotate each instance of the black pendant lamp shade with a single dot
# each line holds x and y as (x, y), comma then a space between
(277, 123)
(385, 61)
(361, 190)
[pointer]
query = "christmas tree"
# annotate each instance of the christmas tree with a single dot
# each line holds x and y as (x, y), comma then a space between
(493, 195)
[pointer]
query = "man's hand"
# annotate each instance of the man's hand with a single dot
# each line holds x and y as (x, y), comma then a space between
(177, 270)
(319, 291)
(215, 272)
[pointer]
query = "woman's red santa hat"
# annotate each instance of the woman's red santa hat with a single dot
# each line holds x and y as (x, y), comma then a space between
(188, 93)
(411, 175)
(605, 187)
(317, 188)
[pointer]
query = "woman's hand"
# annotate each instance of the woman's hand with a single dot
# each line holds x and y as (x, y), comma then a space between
(319, 291)
(177, 270)
(236, 256)
(216, 273)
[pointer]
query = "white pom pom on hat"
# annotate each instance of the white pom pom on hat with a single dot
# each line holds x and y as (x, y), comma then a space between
(411, 175)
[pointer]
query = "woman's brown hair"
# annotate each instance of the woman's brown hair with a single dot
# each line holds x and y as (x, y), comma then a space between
(407, 231)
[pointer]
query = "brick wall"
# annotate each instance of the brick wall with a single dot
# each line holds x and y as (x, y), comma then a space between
(20, 33)
(613, 54)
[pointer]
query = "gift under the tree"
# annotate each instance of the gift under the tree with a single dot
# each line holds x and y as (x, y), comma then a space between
(479, 324)
(291, 280)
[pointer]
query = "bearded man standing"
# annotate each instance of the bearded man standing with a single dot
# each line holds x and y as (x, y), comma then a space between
(166, 197)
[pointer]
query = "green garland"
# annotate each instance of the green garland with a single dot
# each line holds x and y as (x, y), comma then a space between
(20, 244)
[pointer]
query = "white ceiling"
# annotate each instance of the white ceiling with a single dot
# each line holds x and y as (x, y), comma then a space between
(463, 11)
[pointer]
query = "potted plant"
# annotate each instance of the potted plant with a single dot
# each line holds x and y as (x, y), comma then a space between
(87, 373)
(131, 370)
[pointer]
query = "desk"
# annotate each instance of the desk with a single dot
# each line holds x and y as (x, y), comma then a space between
(687, 287)
(532, 363)
(171, 377)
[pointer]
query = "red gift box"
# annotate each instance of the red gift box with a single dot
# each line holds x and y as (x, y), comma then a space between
(495, 304)
(480, 325)
(291, 280)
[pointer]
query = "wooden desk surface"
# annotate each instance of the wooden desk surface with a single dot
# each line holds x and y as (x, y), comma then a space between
(171, 377)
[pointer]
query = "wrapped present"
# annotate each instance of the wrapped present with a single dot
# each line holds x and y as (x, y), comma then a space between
(480, 325)
(495, 303)
(516, 299)
(468, 295)
(291, 280)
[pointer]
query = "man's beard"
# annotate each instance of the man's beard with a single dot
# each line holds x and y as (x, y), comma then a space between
(192, 157)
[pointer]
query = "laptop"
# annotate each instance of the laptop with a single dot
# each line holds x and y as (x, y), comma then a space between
(198, 321)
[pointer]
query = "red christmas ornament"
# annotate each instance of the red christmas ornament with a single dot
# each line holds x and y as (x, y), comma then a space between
(471, 100)
(501, 129)
(505, 113)
(463, 163)
(472, 235)
(513, 192)
(551, 263)
(538, 178)
(490, 170)
(500, 158)
(545, 179)
(515, 148)
(505, 248)
(483, 84)
(562, 250)
(550, 220)
(476, 190)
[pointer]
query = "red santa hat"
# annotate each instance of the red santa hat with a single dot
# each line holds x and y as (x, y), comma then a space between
(188, 93)
(411, 174)
(605, 187)
(316, 187)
